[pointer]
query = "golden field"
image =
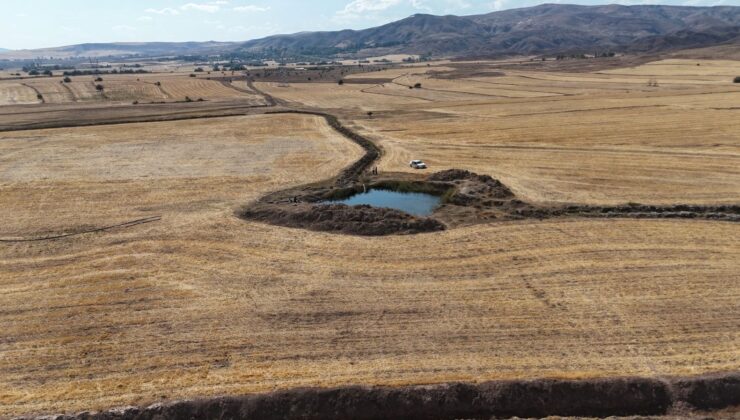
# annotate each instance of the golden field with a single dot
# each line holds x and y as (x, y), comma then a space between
(555, 137)
(202, 303)
(119, 89)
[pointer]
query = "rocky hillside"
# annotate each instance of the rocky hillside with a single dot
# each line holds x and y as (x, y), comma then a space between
(543, 29)
(548, 28)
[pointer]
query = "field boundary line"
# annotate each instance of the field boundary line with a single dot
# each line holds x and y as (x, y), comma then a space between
(100, 229)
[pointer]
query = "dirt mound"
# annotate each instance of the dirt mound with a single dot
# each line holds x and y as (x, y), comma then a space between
(709, 391)
(498, 399)
(355, 220)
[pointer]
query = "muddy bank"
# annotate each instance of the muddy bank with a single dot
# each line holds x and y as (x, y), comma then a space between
(466, 199)
(339, 218)
(497, 399)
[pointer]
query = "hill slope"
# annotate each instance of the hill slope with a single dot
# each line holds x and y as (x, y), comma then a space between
(547, 28)
(119, 49)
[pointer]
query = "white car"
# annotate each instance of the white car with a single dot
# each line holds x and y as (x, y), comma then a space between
(417, 164)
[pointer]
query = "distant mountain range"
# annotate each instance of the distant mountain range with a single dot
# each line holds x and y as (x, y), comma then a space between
(543, 29)
(548, 28)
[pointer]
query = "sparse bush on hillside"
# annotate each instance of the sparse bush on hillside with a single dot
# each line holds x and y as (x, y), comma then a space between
(340, 82)
(188, 99)
(736, 80)
(67, 80)
(40, 97)
(199, 70)
(99, 88)
(192, 75)
(417, 86)
(33, 72)
(99, 79)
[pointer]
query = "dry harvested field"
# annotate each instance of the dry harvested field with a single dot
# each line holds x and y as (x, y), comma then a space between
(200, 303)
(144, 88)
(597, 138)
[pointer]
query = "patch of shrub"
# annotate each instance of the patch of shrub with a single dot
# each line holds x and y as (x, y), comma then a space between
(99, 88)
(736, 80)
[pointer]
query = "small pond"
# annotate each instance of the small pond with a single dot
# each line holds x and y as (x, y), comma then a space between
(417, 204)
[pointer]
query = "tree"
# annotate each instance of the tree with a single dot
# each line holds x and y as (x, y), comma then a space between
(67, 80)
(48, 73)
(98, 79)
(369, 114)
(736, 80)
(33, 72)
(199, 70)
(340, 82)
(99, 88)
(417, 85)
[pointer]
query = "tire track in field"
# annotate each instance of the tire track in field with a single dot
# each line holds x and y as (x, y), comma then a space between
(128, 224)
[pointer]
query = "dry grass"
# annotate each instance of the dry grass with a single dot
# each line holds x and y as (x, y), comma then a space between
(560, 137)
(120, 88)
(202, 303)
(332, 95)
(12, 93)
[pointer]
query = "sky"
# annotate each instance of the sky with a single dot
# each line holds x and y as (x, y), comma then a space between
(31, 24)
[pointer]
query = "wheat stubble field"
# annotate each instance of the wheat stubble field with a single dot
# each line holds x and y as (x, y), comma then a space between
(201, 303)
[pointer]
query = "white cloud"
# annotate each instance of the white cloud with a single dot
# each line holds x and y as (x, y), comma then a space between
(498, 4)
(145, 19)
(420, 5)
(250, 8)
(202, 7)
(165, 11)
(357, 7)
